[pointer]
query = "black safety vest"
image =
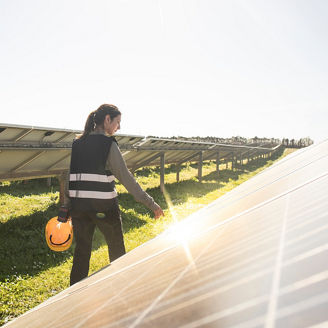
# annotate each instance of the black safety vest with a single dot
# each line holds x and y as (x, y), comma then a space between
(91, 186)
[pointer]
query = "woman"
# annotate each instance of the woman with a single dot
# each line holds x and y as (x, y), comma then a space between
(92, 199)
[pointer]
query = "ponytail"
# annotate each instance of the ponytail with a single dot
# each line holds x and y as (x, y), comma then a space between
(97, 117)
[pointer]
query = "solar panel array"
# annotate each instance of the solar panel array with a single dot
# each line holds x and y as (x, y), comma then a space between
(178, 151)
(256, 257)
(32, 152)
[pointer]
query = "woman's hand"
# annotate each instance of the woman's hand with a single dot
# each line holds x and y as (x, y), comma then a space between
(158, 212)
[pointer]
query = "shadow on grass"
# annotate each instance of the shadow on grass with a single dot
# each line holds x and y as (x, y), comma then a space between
(23, 248)
(224, 176)
(148, 171)
(170, 168)
(251, 166)
(29, 187)
(179, 192)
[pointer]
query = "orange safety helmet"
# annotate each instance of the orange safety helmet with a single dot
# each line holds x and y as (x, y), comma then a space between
(59, 235)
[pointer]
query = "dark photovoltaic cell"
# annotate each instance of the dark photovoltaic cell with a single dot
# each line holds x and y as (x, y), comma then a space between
(256, 257)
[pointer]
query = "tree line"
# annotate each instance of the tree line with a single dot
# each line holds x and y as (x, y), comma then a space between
(255, 141)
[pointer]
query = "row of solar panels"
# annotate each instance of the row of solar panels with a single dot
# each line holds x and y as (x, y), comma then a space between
(31, 152)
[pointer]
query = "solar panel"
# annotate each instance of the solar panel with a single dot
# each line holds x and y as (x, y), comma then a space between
(20, 135)
(32, 152)
(29, 134)
(255, 257)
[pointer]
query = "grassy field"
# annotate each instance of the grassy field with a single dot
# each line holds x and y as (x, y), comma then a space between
(30, 272)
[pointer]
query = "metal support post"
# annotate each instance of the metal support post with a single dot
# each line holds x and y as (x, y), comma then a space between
(62, 189)
(200, 166)
(162, 172)
(218, 163)
(178, 172)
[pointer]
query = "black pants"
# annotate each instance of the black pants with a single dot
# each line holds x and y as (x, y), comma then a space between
(84, 224)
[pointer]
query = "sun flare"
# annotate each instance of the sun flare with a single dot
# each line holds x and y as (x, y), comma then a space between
(181, 232)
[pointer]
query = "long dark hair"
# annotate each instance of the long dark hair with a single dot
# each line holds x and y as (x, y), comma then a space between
(97, 117)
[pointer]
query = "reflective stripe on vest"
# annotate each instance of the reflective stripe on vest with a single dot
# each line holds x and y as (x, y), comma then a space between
(91, 177)
(92, 194)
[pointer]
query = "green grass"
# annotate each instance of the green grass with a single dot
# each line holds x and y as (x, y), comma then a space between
(30, 272)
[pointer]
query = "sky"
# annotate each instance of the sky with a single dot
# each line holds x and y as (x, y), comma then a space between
(173, 67)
